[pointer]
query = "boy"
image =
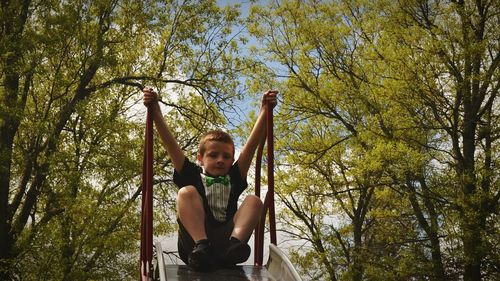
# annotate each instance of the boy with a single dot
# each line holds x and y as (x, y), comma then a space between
(211, 227)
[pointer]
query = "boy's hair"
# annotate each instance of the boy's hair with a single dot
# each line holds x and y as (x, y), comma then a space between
(214, 135)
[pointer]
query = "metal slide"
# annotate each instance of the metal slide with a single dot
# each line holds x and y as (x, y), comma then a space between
(278, 268)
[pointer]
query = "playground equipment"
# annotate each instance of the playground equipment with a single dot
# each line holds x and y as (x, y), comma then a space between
(278, 267)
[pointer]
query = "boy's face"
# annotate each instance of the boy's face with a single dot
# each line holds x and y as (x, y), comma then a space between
(217, 159)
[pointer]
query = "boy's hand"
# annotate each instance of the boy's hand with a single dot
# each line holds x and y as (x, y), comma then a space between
(150, 96)
(269, 98)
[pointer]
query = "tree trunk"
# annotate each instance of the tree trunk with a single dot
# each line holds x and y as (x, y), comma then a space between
(8, 128)
(357, 266)
(14, 17)
(470, 207)
(428, 221)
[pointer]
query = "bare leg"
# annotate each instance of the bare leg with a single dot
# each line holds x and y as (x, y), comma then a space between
(247, 217)
(190, 212)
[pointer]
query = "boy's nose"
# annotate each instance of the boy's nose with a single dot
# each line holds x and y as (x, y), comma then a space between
(220, 160)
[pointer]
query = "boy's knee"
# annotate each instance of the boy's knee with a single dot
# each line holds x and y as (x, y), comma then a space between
(254, 202)
(187, 193)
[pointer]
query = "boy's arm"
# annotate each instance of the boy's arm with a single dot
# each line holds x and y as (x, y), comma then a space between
(173, 149)
(257, 134)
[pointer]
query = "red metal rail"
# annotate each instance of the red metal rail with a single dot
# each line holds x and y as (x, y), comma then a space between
(269, 200)
(146, 267)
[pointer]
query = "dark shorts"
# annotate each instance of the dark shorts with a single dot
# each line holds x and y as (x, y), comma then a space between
(218, 234)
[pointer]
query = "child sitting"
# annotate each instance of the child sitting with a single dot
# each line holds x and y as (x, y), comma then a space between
(212, 230)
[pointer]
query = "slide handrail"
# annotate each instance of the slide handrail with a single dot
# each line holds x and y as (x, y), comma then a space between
(269, 199)
(146, 266)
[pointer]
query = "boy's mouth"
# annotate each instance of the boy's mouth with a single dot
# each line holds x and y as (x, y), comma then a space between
(220, 169)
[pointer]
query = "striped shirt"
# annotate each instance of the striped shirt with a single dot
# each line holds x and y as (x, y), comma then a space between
(220, 202)
(217, 197)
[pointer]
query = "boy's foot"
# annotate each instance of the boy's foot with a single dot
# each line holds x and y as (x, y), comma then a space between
(236, 253)
(199, 258)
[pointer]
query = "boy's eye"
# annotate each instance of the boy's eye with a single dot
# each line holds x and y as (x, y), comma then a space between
(226, 156)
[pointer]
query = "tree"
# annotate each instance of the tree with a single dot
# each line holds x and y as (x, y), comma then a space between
(454, 75)
(329, 90)
(67, 70)
(404, 94)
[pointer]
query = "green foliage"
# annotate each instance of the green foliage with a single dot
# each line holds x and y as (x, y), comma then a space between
(72, 126)
(385, 164)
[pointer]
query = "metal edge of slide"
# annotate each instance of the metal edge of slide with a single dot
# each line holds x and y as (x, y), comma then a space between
(161, 262)
(280, 267)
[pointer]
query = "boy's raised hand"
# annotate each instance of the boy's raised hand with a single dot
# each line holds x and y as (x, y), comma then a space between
(175, 152)
(269, 98)
(150, 96)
